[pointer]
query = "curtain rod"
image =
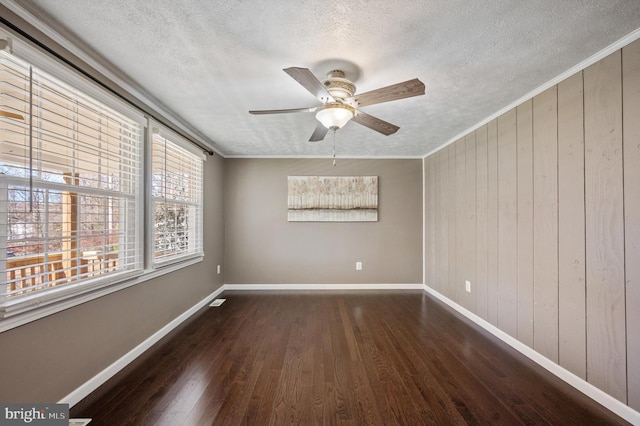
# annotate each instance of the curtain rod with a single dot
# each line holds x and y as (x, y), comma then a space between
(98, 82)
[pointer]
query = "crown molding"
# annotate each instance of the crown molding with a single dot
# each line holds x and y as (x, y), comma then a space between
(77, 48)
(624, 41)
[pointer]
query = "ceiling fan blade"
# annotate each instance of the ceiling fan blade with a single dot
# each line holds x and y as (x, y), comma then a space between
(282, 111)
(403, 90)
(374, 123)
(310, 82)
(319, 133)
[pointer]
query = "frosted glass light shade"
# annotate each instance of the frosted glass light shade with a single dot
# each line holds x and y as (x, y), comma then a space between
(334, 115)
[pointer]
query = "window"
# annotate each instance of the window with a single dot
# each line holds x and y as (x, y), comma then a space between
(176, 190)
(73, 201)
(70, 186)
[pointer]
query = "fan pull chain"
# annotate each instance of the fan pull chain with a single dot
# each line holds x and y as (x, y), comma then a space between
(334, 147)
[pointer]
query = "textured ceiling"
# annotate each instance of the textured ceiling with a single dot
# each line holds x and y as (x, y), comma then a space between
(209, 62)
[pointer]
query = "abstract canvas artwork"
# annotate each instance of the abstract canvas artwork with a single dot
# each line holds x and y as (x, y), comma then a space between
(332, 198)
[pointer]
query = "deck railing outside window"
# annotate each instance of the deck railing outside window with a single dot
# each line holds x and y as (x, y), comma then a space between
(70, 195)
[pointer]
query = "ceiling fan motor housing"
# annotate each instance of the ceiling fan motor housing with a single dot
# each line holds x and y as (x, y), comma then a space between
(338, 86)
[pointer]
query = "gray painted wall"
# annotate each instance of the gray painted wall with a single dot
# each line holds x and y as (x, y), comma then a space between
(45, 360)
(262, 247)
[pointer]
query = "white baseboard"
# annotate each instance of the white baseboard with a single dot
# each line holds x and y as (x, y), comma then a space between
(583, 386)
(92, 384)
(606, 400)
(402, 286)
(96, 381)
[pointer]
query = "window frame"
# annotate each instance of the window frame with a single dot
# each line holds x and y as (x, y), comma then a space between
(155, 128)
(52, 300)
(85, 154)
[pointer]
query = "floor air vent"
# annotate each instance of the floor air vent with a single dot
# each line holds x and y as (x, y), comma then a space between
(217, 302)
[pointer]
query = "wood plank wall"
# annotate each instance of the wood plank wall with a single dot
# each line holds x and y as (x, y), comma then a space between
(540, 210)
(631, 147)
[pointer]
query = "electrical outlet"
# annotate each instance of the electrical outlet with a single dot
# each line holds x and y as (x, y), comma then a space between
(467, 286)
(218, 269)
(358, 266)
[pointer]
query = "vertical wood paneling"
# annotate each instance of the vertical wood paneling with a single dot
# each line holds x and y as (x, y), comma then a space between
(507, 224)
(545, 222)
(427, 184)
(461, 229)
(432, 224)
(525, 222)
(492, 222)
(571, 240)
(606, 345)
(469, 299)
(451, 290)
(443, 225)
(481, 222)
(556, 232)
(436, 224)
(631, 138)
(435, 283)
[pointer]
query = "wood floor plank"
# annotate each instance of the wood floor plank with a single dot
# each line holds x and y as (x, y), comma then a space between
(347, 358)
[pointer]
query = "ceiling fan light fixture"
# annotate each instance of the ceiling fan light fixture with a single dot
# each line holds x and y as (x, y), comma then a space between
(334, 115)
(338, 86)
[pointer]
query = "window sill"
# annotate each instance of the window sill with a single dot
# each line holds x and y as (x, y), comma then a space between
(168, 262)
(23, 311)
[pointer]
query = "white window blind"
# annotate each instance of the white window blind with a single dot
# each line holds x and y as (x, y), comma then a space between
(176, 189)
(70, 194)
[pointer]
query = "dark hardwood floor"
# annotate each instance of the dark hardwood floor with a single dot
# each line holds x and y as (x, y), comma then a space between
(353, 358)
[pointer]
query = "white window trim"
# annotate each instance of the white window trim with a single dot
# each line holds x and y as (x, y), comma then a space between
(70, 76)
(27, 309)
(97, 63)
(30, 310)
(157, 128)
(175, 138)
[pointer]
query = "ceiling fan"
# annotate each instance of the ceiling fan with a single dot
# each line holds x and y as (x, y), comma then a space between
(340, 103)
